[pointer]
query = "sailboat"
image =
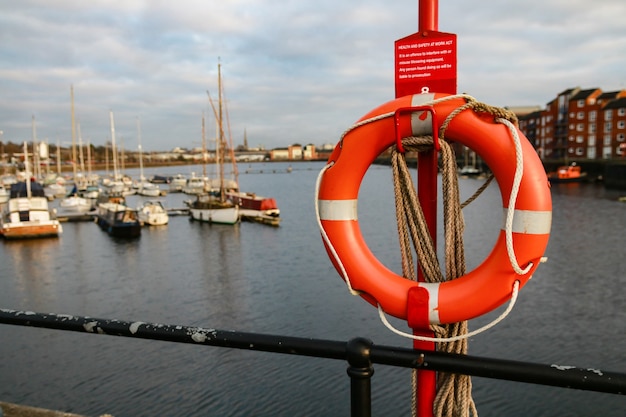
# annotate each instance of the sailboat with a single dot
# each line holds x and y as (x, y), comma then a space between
(26, 215)
(469, 170)
(112, 215)
(213, 206)
(254, 207)
(74, 205)
(144, 187)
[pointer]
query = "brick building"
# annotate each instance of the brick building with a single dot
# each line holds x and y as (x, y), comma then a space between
(583, 124)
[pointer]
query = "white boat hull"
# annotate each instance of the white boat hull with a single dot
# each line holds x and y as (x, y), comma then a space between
(152, 213)
(26, 218)
(228, 215)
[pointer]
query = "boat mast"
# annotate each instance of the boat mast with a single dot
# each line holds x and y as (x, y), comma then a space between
(141, 178)
(27, 169)
(88, 162)
(221, 131)
(73, 133)
(58, 158)
(35, 153)
(123, 158)
(82, 182)
(113, 150)
(203, 151)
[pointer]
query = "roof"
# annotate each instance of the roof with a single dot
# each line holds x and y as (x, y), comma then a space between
(616, 104)
(19, 190)
(609, 95)
(532, 115)
(521, 111)
(583, 94)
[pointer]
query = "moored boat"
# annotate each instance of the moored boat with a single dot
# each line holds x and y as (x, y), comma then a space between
(194, 185)
(152, 213)
(148, 189)
(118, 220)
(4, 194)
(177, 183)
(76, 207)
(568, 173)
(55, 190)
(211, 209)
(256, 208)
(213, 205)
(27, 215)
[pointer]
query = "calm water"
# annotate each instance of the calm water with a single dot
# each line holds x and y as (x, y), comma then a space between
(279, 280)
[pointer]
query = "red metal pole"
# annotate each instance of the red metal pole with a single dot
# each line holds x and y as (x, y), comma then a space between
(427, 194)
(428, 15)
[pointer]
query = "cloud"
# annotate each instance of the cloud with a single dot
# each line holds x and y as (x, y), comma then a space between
(293, 72)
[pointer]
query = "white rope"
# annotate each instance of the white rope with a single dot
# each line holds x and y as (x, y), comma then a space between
(329, 245)
(517, 179)
(519, 172)
(486, 327)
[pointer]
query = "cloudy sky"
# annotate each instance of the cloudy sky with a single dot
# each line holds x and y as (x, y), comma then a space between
(293, 71)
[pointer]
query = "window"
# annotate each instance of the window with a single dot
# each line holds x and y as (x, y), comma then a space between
(592, 128)
(608, 114)
(607, 140)
(592, 116)
(580, 127)
(607, 127)
(580, 115)
(591, 153)
(580, 151)
(580, 139)
(621, 137)
(621, 124)
(591, 140)
(581, 103)
(621, 111)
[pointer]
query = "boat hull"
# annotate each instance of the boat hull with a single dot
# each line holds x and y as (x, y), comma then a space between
(255, 208)
(118, 220)
(228, 215)
(152, 213)
(31, 231)
(28, 218)
(556, 180)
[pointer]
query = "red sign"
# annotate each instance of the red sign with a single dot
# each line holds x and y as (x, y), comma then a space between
(426, 62)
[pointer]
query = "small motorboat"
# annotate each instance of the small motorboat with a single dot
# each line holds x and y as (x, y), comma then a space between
(152, 213)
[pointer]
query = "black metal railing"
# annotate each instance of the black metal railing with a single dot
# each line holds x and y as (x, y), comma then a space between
(360, 353)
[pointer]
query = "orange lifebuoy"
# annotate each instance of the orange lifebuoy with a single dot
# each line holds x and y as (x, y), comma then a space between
(490, 284)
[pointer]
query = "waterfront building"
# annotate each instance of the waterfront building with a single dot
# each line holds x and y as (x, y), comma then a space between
(579, 124)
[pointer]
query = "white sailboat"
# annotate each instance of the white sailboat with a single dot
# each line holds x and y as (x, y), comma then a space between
(74, 205)
(144, 187)
(115, 187)
(213, 206)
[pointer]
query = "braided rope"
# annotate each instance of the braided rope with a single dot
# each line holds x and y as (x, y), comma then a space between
(453, 391)
(453, 397)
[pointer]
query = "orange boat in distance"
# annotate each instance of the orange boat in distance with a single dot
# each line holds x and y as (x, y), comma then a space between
(568, 173)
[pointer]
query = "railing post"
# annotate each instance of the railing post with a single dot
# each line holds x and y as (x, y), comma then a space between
(360, 371)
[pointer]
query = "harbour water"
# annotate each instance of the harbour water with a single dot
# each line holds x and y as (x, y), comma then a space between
(257, 278)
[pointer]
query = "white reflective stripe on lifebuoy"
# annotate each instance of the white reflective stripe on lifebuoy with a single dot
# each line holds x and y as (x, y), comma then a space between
(337, 209)
(433, 300)
(420, 125)
(530, 222)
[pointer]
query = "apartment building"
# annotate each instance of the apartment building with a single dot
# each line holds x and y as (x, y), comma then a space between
(584, 124)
